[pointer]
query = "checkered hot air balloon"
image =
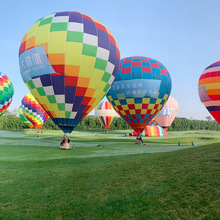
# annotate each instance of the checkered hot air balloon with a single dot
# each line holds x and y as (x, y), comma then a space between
(23, 117)
(209, 89)
(68, 60)
(140, 90)
(105, 114)
(33, 111)
(6, 93)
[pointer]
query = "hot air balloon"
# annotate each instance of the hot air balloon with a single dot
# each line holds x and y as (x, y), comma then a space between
(33, 111)
(105, 114)
(23, 117)
(140, 90)
(6, 93)
(167, 114)
(209, 89)
(152, 122)
(152, 131)
(68, 60)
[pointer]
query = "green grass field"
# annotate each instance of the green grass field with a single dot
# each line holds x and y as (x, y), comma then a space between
(119, 180)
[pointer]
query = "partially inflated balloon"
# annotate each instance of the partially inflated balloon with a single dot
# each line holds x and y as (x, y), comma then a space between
(153, 131)
(33, 111)
(6, 93)
(68, 61)
(23, 117)
(167, 114)
(105, 114)
(209, 89)
(140, 90)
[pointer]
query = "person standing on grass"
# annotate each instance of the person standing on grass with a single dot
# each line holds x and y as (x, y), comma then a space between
(140, 140)
(63, 140)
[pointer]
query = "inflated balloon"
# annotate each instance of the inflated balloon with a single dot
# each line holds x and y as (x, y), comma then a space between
(6, 93)
(167, 114)
(68, 61)
(23, 117)
(33, 111)
(209, 89)
(105, 114)
(153, 131)
(140, 90)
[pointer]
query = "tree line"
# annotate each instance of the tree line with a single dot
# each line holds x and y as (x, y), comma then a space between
(12, 122)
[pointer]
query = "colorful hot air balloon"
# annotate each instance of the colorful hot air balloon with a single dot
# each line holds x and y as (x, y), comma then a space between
(33, 111)
(153, 131)
(167, 114)
(209, 89)
(105, 114)
(140, 90)
(6, 93)
(23, 117)
(68, 60)
(152, 122)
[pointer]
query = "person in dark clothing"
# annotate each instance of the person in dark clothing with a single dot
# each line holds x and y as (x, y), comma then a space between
(63, 140)
(140, 140)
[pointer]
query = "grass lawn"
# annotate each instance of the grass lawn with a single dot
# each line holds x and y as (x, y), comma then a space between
(119, 180)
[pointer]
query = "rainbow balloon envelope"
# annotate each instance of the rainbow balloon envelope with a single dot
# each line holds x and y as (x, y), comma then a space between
(153, 131)
(105, 114)
(6, 93)
(209, 89)
(140, 90)
(68, 60)
(33, 111)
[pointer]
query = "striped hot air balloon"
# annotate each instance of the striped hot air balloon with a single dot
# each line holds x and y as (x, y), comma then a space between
(105, 114)
(6, 93)
(152, 131)
(209, 89)
(33, 111)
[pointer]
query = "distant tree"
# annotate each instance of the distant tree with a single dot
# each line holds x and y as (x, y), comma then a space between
(209, 118)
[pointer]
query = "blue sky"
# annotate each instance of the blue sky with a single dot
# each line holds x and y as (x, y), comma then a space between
(182, 34)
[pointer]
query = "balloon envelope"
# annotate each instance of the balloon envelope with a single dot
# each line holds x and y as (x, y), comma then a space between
(68, 61)
(152, 122)
(167, 114)
(209, 89)
(153, 131)
(23, 117)
(6, 93)
(33, 111)
(105, 114)
(140, 90)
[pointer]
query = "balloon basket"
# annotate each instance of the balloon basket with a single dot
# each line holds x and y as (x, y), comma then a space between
(66, 146)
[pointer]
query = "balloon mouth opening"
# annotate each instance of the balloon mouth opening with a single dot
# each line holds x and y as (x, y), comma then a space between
(67, 129)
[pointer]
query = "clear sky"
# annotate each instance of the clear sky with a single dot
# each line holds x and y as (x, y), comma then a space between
(182, 34)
